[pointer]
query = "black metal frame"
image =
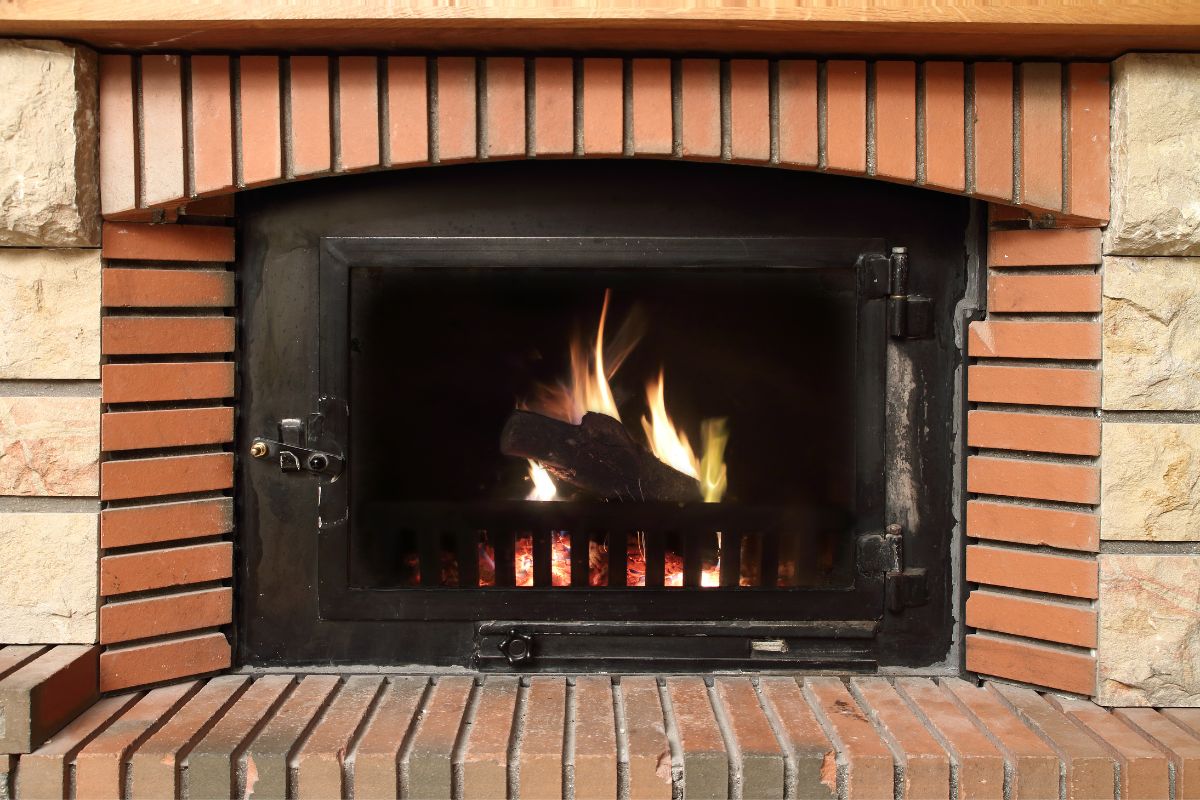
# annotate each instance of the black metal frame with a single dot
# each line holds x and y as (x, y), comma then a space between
(281, 620)
(862, 599)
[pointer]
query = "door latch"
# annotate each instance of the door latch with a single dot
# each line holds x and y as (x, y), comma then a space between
(882, 554)
(293, 454)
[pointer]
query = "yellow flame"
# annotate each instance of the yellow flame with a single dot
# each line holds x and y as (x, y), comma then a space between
(714, 435)
(669, 444)
(543, 487)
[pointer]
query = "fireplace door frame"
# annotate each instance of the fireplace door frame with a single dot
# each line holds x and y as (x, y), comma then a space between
(849, 608)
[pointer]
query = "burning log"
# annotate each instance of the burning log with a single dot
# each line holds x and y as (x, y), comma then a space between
(597, 456)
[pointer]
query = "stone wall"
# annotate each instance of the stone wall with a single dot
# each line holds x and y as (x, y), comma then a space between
(1149, 637)
(49, 343)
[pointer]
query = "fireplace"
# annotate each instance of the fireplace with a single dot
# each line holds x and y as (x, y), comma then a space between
(561, 415)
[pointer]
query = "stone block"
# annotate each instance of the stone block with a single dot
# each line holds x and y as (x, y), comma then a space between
(50, 446)
(49, 314)
(1156, 135)
(49, 593)
(1150, 482)
(1149, 643)
(49, 183)
(1151, 334)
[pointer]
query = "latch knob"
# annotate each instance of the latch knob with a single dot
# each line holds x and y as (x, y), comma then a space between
(517, 648)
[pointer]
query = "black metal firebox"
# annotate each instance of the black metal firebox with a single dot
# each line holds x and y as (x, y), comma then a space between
(394, 324)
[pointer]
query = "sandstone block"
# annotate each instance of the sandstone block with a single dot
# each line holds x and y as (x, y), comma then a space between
(1150, 482)
(1151, 334)
(50, 446)
(1156, 135)
(49, 185)
(49, 314)
(49, 593)
(1149, 643)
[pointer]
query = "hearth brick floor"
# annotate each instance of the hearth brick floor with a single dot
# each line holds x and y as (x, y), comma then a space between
(726, 736)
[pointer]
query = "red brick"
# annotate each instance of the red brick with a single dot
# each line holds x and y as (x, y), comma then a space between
(1035, 766)
(1042, 433)
(15, 655)
(505, 103)
(212, 125)
(158, 569)
(163, 522)
(867, 760)
(378, 751)
(358, 112)
(749, 110)
(133, 430)
(926, 764)
(595, 757)
(266, 759)
(1068, 670)
(945, 118)
(1144, 772)
(221, 205)
(408, 110)
(814, 761)
(429, 765)
(604, 106)
(1037, 480)
(155, 765)
(1088, 767)
(896, 120)
(163, 661)
(1052, 340)
(321, 758)
(311, 113)
(646, 734)
(100, 766)
(1032, 571)
(700, 105)
(1186, 718)
(167, 288)
(761, 757)
(705, 760)
(118, 191)
(798, 112)
(485, 753)
(1087, 138)
(1181, 747)
(162, 130)
(258, 100)
(1035, 386)
(133, 241)
(540, 760)
(553, 106)
(153, 335)
(980, 766)
(1044, 293)
(993, 134)
(1044, 248)
(1032, 618)
(43, 772)
(143, 383)
(1041, 135)
(156, 616)
(40, 696)
(653, 123)
(1070, 530)
(154, 477)
(456, 126)
(846, 116)
(210, 766)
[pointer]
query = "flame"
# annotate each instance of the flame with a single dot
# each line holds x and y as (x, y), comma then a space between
(671, 446)
(543, 487)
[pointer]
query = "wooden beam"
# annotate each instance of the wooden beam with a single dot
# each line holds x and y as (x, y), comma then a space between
(1088, 28)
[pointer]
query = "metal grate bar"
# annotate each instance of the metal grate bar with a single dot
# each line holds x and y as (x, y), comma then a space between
(580, 556)
(656, 547)
(543, 545)
(430, 554)
(693, 551)
(731, 559)
(618, 558)
(769, 576)
(467, 552)
(504, 551)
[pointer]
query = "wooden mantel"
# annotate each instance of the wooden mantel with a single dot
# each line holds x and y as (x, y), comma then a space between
(1051, 28)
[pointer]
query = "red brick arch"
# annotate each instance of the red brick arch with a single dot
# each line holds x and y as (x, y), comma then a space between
(181, 133)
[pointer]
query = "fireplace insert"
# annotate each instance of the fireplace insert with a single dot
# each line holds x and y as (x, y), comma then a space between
(625, 415)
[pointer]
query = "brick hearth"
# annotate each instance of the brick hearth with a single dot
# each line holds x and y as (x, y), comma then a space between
(369, 736)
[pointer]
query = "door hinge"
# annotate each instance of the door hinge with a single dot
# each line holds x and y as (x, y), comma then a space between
(909, 316)
(882, 554)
